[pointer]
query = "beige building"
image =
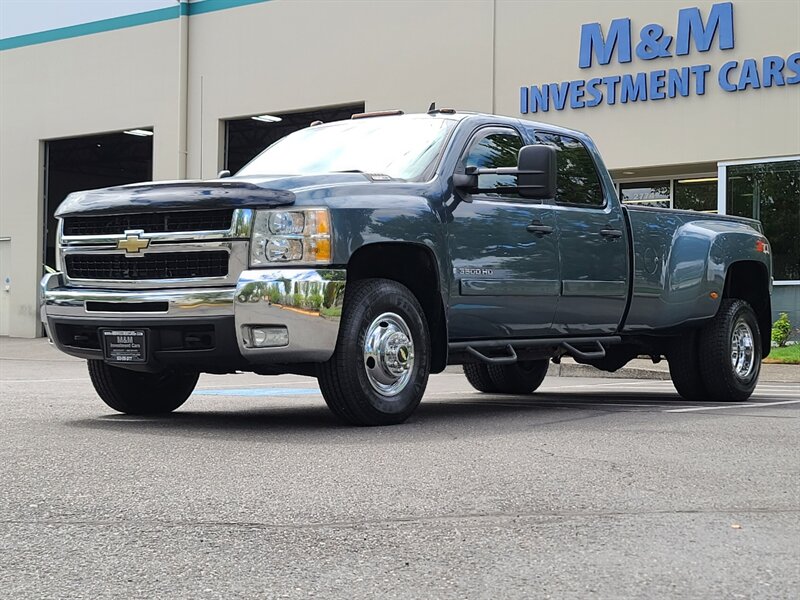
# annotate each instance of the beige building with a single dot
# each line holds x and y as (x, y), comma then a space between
(694, 104)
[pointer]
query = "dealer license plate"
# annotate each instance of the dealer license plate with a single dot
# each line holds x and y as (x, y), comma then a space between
(125, 345)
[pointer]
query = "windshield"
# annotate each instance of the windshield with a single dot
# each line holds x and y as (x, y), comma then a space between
(400, 147)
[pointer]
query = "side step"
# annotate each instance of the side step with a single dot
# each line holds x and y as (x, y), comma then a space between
(570, 346)
(499, 360)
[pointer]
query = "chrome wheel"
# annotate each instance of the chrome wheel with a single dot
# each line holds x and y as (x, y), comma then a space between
(742, 350)
(388, 354)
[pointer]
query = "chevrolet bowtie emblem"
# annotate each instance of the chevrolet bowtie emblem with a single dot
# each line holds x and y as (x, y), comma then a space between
(133, 243)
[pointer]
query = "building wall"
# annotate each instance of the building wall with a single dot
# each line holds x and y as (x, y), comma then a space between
(103, 82)
(184, 76)
(538, 42)
(277, 56)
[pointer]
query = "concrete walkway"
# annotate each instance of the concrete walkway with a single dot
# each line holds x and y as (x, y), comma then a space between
(641, 368)
(40, 350)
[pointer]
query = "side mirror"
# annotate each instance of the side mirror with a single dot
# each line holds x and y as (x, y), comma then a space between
(224, 173)
(467, 181)
(537, 172)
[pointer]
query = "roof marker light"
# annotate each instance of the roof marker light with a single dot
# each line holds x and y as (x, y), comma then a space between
(378, 113)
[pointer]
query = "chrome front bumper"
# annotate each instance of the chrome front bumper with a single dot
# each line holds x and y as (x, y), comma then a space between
(308, 302)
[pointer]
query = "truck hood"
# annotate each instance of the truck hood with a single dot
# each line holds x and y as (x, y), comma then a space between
(231, 192)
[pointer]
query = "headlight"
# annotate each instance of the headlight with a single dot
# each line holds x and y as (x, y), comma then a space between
(284, 222)
(291, 236)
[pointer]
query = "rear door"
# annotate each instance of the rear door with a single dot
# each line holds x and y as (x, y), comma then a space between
(592, 244)
(503, 250)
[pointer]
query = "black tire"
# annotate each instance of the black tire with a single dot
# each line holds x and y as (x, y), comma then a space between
(523, 377)
(135, 393)
(716, 344)
(683, 359)
(479, 378)
(348, 379)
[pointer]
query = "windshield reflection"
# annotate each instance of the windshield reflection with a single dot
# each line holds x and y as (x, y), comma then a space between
(400, 147)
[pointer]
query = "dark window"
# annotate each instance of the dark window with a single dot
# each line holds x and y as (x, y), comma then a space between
(496, 149)
(86, 163)
(696, 194)
(770, 192)
(650, 193)
(578, 182)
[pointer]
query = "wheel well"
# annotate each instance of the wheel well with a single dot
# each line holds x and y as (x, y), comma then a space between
(749, 281)
(413, 265)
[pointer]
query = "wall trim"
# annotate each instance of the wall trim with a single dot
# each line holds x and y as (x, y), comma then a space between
(144, 18)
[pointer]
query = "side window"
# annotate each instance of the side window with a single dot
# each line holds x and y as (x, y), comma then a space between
(493, 150)
(578, 182)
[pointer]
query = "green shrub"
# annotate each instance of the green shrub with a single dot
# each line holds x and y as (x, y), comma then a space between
(781, 330)
(315, 301)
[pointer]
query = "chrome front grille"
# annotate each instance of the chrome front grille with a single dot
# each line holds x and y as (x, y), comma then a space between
(160, 222)
(96, 251)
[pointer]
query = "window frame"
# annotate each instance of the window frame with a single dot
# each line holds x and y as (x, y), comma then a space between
(603, 190)
(475, 138)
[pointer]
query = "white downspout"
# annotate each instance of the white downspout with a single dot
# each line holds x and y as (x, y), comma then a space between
(183, 89)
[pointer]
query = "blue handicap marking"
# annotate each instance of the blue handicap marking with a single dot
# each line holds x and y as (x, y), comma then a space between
(259, 392)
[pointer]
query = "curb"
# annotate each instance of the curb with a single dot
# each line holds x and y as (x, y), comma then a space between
(578, 370)
(773, 373)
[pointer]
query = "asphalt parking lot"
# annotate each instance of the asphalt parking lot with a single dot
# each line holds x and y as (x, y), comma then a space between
(589, 488)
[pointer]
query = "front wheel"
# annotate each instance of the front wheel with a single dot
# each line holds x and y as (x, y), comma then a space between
(135, 393)
(378, 372)
(729, 349)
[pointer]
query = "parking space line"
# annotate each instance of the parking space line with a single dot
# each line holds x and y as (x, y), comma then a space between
(750, 405)
(617, 383)
(780, 390)
(43, 380)
(254, 385)
(256, 391)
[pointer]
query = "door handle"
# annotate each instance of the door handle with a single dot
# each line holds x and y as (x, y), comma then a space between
(539, 228)
(611, 233)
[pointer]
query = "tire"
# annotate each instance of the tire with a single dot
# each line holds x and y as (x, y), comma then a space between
(730, 352)
(523, 377)
(683, 359)
(379, 370)
(136, 393)
(479, 378)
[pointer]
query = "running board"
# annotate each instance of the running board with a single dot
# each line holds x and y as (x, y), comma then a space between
(509, 347)
(499, 360)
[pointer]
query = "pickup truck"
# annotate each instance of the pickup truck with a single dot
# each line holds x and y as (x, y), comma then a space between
(374, 251)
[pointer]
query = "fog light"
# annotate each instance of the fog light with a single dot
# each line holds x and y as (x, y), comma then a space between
(269, 337)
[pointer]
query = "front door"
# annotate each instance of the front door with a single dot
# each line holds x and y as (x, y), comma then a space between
(592, 244)
(504, 250)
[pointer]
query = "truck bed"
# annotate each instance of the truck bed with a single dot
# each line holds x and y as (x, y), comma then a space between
(676, 265)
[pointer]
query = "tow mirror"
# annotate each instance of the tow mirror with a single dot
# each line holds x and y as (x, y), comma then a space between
(536, 176)
(466, 181)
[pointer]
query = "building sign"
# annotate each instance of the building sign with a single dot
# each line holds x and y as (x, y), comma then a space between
(692, 34)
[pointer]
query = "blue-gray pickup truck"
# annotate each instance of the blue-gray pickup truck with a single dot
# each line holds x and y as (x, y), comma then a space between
(372, 252)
